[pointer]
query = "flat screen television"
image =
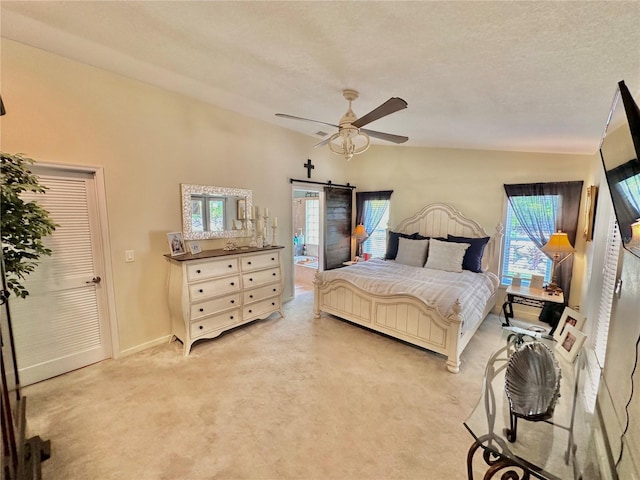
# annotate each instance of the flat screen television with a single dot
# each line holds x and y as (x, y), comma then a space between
(620, 150)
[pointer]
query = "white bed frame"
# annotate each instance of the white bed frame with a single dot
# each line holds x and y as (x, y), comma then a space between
(406, 317)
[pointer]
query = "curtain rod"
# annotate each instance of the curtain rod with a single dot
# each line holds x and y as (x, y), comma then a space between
(328, 183)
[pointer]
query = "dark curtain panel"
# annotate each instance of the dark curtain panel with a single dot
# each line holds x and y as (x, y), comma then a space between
(624, 184)
(337, 228)
(368, 214)
(538, 219)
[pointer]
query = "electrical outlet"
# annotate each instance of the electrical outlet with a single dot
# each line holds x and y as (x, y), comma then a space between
(129, 256)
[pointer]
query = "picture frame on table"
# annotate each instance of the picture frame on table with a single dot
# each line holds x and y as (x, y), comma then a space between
(176, 243)
(569, 318)
(536, 282)
(195, 247)
(570, 343)
(242, 209)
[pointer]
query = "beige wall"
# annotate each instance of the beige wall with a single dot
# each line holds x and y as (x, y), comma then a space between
(149, 141)
(470, 180)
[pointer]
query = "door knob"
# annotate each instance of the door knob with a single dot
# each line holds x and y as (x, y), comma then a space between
(94, 280)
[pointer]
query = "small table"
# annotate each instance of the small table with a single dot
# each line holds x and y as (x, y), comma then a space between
(531, 297)
(554, 449)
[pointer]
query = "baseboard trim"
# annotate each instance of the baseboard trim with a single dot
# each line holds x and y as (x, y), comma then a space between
(144, 346)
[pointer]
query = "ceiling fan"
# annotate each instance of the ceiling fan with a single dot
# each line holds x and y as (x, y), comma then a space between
(351, 139)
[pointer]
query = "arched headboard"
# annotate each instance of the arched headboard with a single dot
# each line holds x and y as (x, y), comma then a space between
(440, 219)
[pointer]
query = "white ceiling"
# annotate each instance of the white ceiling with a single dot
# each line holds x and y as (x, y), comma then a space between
(523, 76)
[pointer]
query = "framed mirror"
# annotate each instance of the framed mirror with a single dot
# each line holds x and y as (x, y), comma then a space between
(214, 212)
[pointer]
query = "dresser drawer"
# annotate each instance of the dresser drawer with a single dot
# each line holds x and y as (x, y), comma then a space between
(261, 309)
(209, 307)
(215, 322)
(260, 293)
(212, 288)
(212, 268)
(261, 260)
(253, 279)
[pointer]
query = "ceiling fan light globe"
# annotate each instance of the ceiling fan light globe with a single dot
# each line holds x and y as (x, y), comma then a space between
(349, 141)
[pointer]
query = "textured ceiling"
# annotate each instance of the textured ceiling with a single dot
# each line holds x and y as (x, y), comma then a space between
(523, 76)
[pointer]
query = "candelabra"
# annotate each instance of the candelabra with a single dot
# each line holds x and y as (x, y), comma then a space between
(265, 228)
(259, 232)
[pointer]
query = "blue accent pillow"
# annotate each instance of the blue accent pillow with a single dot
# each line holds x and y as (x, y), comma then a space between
(392, 243)
(473, 256)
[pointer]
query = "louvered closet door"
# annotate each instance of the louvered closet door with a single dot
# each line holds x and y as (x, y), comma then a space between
(63, 325)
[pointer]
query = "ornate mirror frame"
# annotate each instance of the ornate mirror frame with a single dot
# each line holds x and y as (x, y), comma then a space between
(187, 190)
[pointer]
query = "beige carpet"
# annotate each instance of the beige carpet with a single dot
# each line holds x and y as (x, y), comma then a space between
(292, 398)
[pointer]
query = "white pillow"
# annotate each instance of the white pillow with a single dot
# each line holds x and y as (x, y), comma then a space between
(412, 252)
(446, 256)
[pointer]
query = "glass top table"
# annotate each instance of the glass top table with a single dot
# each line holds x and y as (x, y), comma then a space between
(547, 449)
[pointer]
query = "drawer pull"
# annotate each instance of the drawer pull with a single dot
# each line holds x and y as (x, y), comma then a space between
(250, 296)
(201, 327)
(274, 289)
(230, 266)
(273, 259)
(202, 309)
(233, 283)
(250, 311)
(198, 271)
(248, 263)
(233, 301)
(251, 279)
(273, 303)
(201, 290)
(274, 274)
(231, 317)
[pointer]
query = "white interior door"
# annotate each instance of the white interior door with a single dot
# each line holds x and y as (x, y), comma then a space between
(64, 322)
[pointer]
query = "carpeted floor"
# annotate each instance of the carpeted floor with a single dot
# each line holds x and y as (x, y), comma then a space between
(292, 398)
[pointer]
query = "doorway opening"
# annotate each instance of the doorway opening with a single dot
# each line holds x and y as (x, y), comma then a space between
(307, 236)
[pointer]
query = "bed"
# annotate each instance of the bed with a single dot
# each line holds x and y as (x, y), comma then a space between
(433, 309)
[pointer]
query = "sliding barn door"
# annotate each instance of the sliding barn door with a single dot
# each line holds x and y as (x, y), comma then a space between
(337, 231)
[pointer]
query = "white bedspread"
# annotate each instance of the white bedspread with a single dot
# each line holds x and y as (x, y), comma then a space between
(435, 287)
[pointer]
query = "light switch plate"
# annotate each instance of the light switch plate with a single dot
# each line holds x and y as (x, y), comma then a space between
(129, 256)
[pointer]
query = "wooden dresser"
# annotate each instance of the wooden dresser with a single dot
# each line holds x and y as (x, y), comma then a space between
(217, 290)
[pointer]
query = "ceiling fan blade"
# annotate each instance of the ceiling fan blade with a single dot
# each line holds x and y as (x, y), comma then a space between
(390, 106)
(389, 137)
(284, 115)
(323, 142)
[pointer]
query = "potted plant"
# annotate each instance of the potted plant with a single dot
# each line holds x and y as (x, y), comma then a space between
(23, 224)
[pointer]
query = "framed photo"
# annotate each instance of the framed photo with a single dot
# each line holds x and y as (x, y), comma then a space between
(195, 247)
(569, 318)
(570, 343)
(176, 243)
(590, 212)
(536, 282)
(242, 209)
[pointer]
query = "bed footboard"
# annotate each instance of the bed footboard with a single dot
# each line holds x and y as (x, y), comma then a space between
(400, 316)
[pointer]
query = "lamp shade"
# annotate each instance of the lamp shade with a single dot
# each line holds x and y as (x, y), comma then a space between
(558, 243)
(359, 232)
(635, 233)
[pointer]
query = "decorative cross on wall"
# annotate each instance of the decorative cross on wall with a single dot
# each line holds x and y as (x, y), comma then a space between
(309, 167)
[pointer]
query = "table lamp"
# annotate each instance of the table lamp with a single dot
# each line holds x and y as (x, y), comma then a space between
(360, 234)
(557, 246)
(635, 235)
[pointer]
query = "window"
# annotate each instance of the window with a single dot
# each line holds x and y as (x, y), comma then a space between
(376, 244)
(207, 212)
(313, 222)
(521, 255)
(372, 211)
